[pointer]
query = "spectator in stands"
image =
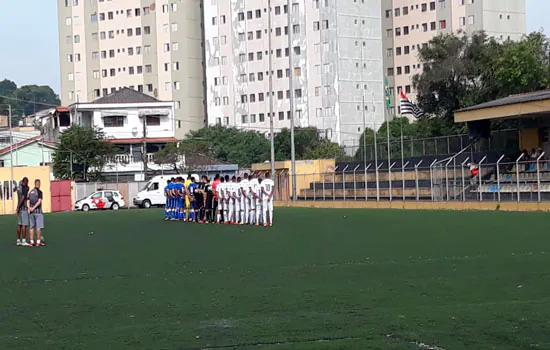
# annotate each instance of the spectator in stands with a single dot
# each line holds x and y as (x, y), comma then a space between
(534, 155)
(474, 172)
(524, 160)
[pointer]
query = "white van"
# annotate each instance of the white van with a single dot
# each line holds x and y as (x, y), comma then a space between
(152, 193)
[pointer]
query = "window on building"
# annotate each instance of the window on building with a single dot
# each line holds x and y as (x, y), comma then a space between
(398, 51)
(113, 121)
(442, 24)
(152, 120)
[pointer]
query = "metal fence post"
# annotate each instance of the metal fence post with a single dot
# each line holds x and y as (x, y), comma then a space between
(432, 181)
(367, 182)
(517, 175)
(344, 180)
(334, 184)
(447, 178)
(355, 183)
(416, 179)
(498, 177)
(403, 177)
(314, 189)
(538, 175)
(378, 183)
(323, 181)
(480, 179)
(390, 180)
(463, 179)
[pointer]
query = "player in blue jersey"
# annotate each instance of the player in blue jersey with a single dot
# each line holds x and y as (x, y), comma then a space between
(167, 194)
(173, 199)
(180, 195)
(191, 193)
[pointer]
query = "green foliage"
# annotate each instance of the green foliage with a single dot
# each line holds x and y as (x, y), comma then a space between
(325, 149)
(461, 71)
(523, 66)
(308, 145)
(44, 97)
(229, 145)
(87, 149)
(169, 155)
(38, 97)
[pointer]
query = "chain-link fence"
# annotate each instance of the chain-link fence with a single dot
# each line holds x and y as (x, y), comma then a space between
(449, 179)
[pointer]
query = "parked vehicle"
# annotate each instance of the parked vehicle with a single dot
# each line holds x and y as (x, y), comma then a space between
(152, 193)
(102, 200)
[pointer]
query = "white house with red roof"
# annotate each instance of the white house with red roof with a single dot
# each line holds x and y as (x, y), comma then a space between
(132, 121)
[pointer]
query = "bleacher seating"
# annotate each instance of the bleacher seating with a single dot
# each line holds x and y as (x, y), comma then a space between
(350, 180)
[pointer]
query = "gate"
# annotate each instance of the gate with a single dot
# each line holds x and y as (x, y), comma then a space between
(61, 195)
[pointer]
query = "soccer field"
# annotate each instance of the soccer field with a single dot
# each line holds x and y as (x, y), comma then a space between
(319, 279)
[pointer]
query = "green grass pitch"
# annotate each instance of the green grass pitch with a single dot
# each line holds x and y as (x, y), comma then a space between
(319, 279)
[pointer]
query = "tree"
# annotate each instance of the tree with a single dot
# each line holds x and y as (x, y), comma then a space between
(305, 139)
(325, 149)
(453, 76)
(230, 145)
(523, 66)
(34, 98)
(461, 71)
(88, 151)
(169, 155)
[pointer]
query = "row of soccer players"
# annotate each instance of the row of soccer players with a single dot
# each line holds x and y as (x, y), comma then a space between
(236, 200)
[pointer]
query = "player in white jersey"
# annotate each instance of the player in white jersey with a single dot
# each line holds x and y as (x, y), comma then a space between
(258, 197)
(228, 201)
(236, 187)
(220, 193)
(252, 186)
(267, 189)
(245, 200)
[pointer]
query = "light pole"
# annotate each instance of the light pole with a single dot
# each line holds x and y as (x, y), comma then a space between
(292, 114)
(271, 127)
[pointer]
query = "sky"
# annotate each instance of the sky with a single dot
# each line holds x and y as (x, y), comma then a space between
(29, 43)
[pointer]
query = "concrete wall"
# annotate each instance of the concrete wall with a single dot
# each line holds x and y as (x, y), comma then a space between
(8, 198)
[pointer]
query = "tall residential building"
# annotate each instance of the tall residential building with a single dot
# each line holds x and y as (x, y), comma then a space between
(152, 46)
(409, 24)
(327, 62)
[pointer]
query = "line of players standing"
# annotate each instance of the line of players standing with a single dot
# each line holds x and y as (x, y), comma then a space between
(244, 201)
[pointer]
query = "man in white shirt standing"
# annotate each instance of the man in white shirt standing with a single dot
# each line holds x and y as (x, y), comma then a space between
(268, 189)
(236, 187)
(220, 192)
(245, 200)
(253, 187)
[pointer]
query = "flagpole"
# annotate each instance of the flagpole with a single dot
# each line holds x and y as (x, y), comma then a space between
(389, 152)
(376, 161)
(402, 159)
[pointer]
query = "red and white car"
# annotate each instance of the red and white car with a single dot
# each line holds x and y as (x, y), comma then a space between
(102, 200)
